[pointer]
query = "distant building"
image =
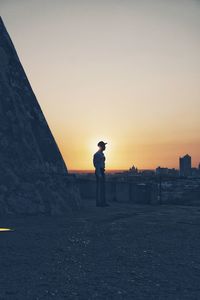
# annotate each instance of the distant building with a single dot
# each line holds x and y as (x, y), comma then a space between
(173, 172)
(161, 171)
(133, 170)
(166, 172)
(185, 164)
(195, 172)
(147, 173)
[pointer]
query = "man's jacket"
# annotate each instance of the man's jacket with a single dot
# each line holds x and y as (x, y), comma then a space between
(99, 162)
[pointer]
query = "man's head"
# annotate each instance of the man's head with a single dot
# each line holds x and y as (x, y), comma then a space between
(101, 145)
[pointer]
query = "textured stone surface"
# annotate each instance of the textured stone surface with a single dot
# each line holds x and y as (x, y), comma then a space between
(33, 175)
(121, 252)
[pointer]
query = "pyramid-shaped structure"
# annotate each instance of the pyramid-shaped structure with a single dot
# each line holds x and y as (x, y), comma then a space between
(33, 175)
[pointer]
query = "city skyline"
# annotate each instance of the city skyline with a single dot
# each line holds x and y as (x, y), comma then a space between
(159, 166)
(127, 73)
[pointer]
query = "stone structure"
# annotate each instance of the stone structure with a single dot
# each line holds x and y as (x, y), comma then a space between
(33, 175)
(120, 190)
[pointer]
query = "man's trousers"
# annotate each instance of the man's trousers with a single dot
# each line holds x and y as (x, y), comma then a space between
(100, 189)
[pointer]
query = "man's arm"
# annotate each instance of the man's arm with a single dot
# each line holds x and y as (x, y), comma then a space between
(97, 164)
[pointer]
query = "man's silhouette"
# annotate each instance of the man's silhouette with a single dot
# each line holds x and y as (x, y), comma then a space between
(99, 164)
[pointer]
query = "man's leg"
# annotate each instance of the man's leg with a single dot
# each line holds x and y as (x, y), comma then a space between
(98, 202)
(103, 191)
(103, 196)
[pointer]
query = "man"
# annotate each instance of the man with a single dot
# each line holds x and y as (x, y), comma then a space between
(99, 164)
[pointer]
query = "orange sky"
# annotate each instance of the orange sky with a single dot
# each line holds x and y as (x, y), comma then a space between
(127, 72)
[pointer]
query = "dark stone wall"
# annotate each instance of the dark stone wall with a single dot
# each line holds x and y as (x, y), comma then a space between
(26, 140)
(121, 191)
(33, 175)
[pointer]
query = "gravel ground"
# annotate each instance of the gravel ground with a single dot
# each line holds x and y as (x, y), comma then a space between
(117, 252)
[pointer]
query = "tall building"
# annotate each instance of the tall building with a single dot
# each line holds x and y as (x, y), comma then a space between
(185, 165)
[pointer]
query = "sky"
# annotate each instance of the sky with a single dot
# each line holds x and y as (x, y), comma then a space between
(123, 71)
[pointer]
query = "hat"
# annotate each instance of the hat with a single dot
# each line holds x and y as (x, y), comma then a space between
(101, 144)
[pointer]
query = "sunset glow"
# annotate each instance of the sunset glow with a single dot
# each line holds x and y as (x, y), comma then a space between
(127, 72)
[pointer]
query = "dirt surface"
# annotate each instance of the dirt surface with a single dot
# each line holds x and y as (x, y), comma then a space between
(117, 252)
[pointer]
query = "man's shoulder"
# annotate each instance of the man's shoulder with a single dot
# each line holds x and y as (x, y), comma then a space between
(98, 153)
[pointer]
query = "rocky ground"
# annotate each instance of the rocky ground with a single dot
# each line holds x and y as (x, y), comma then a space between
(117, 252)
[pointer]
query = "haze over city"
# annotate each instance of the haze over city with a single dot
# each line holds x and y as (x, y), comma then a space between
(126, 72)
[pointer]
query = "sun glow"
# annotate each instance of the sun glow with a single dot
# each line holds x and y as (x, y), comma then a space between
(93, 143)
(131, 83)
(92, 147)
